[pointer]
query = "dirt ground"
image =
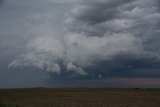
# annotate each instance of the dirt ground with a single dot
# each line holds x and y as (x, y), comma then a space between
(79, 97)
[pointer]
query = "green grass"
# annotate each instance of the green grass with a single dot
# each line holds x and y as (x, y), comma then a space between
(79, 98)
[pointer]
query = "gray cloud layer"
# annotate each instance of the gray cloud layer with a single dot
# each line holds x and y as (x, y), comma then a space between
(100, 38)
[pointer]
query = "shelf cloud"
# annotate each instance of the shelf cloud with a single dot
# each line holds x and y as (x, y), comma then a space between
(83, 38)
(101, 38)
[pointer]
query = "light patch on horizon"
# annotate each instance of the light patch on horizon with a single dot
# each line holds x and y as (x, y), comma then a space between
(123, 82)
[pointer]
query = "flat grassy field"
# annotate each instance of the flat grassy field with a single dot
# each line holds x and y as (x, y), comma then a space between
(79, 97)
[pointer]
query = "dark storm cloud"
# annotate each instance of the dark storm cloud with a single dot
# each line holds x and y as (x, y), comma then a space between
(97, 18)
(127, 65)
(94, 12)
(137, 18)
(101, 38)
(1, 2)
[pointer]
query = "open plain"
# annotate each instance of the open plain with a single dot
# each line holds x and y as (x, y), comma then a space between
(79, 97)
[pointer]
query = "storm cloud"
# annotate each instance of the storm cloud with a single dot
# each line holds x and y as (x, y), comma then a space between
(114, 36)
(95, 39)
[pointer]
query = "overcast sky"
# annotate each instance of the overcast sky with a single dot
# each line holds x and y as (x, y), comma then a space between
(74, 43)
